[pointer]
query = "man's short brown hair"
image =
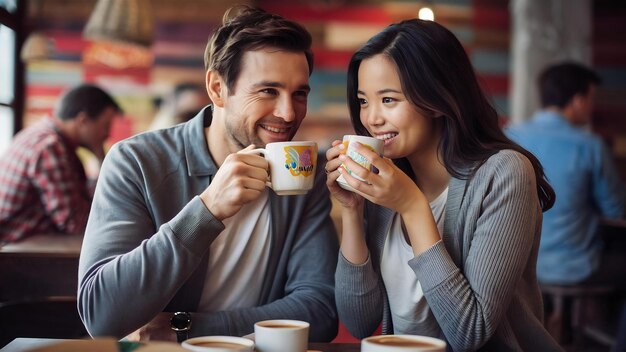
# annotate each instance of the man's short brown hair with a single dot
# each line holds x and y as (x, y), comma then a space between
(246, 28)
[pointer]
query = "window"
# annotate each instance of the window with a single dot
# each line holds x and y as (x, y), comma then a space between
(9, 5)
(11, 71)
(7, 85)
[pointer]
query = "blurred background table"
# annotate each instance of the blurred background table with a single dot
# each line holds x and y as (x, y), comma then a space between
(53, 244)
(40, 266)
(38, 287)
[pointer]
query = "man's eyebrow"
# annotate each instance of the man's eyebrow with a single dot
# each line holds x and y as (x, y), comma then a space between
(273, 84)
(268, 84)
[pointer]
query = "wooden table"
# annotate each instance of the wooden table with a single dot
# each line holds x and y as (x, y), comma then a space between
(40, 266)
(60, 245)
(24, 344)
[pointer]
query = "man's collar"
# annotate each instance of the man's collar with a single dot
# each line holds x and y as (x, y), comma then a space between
(199, 160)
(55, 124)
(550, 116)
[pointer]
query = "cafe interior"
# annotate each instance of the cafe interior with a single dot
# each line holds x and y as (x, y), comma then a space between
(140, 50)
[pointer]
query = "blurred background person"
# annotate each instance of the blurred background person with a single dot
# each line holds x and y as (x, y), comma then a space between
(181, 105)
(43, 186)
(581, 170)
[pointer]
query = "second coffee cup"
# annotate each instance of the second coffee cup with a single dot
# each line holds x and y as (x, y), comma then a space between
(218, 344)
(281, 335)
(375, 145)
(292, 166)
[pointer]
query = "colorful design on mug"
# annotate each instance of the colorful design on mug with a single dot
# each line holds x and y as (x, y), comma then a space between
(359, 159)
(300, 161)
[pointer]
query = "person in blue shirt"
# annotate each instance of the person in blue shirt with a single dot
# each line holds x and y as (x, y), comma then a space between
(580, 169)
(587, 185)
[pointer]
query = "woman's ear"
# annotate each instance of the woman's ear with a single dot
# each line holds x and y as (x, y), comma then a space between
(216, 87)
(434, 114)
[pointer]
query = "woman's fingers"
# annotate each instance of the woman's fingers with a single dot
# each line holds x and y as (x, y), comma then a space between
(366, 157)
(353, 168)
(332, 153)
(376, 160)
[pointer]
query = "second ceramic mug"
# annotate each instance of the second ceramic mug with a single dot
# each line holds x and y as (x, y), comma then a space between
(375, 145)
(281, 335)
(219, 344)
(292, 166)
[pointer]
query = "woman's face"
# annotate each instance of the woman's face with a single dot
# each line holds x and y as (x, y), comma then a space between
(388, 115)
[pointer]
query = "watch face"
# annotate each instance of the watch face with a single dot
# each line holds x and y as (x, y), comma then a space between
(181, 321)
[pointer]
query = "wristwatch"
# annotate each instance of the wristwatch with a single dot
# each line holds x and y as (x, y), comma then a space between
(181, 324)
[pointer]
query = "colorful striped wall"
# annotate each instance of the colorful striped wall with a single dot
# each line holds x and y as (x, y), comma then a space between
(338, 28)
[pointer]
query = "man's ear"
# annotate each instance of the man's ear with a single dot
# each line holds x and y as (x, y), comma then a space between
(216, 87)
(81, 118)
(577, 101)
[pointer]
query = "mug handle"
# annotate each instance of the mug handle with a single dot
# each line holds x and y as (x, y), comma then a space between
(260, 151)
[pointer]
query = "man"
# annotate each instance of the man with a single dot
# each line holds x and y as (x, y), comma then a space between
(584, 178)
(180, 106)
(43, 187)
(182, 222)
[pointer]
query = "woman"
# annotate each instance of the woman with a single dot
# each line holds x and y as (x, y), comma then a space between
(442, 238)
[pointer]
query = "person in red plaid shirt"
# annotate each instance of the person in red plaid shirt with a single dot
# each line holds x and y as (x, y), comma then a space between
(43, 186)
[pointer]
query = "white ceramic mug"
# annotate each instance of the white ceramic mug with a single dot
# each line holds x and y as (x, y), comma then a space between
(281, 336)
(402, 343)
(376, 145)
(292, 166)
(219, 344)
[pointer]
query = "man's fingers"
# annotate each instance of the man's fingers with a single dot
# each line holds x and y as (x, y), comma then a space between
(254, 184)
(255, 160)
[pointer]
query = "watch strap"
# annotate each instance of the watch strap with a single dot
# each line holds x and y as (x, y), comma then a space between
(182, 335)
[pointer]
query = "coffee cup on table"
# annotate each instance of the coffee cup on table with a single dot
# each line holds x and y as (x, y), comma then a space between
(292, 166)
(219, 344)
(402, 343)
(281, 336)
(375, 145)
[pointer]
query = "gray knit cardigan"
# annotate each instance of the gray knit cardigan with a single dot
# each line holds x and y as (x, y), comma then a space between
(479, 281)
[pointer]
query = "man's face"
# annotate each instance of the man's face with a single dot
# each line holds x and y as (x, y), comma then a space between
(94, 132)
(584, 106)
(269, 99)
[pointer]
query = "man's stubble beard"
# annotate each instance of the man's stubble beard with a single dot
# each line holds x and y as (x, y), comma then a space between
(241, 140)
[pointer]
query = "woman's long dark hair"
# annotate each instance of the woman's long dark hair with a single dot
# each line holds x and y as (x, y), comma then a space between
(438, 78)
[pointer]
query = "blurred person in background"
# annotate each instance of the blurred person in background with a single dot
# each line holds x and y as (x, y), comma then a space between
(582, 172)
(585, 180)
(43, 186)
(180, 105)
